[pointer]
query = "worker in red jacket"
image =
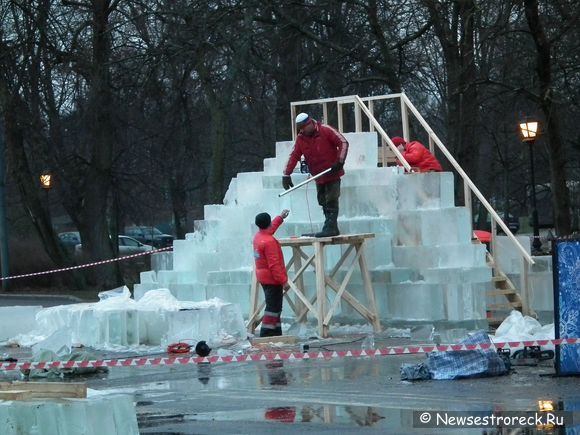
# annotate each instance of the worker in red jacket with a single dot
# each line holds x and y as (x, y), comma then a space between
(322, 147)
(270, 271)
(417, 155)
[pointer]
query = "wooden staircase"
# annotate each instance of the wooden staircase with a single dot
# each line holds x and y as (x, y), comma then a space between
(503, 286)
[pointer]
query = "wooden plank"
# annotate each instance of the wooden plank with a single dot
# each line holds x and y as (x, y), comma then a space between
(340, 239)
(352, 301)
(288, 339)
(48, 389)
(15, 395)
(320, 287)
(303, 241)
(364, 270)
(506, 306)
(254, 310)
(342, 288)
(501, 292)
(351, 238)
(302, 297)
(299, 280)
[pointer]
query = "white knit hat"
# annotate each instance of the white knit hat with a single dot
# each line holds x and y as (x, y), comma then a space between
(302, 119)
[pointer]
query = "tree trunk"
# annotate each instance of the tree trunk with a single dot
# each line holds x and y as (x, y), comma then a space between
(178, 200)
(561, 196)
(457, 42)
(96, 241)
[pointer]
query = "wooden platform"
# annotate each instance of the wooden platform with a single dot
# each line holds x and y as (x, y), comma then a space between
(316, 306)
(18, 390)
(286, 339)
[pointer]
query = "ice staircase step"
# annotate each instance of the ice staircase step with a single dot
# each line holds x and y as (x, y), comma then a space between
(446, 226)
(428, 257)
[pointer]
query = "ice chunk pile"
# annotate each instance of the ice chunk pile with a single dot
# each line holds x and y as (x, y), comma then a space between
(17, 320)
(118, 321)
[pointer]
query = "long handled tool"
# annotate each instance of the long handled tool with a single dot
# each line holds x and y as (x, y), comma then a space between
(308, 180)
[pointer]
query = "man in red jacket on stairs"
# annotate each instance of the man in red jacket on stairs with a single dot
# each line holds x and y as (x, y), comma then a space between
(417, 155)
(270, 271)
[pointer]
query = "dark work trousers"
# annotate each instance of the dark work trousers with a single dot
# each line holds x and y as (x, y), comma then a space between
(271, 325)
(328, 194)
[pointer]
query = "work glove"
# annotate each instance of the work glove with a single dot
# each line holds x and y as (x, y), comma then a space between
(287, 182)
(337, 167)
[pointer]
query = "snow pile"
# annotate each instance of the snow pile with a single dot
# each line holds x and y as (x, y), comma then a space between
(517, 327)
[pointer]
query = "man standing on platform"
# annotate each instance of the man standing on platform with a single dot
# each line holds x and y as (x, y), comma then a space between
(270, 271)
(323, 147)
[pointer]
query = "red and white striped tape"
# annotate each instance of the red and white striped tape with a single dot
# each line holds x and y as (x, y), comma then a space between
(278, 356)
(82, 266)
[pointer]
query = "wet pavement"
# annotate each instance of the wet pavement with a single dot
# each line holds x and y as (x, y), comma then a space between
(342, 395)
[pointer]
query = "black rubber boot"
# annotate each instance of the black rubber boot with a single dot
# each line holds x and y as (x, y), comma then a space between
(330, 227)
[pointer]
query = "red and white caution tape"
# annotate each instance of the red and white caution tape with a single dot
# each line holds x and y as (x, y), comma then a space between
(278, 356)
(82, 266)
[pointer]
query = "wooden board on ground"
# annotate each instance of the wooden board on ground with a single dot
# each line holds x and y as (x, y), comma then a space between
(286, 339)
(55, 390)
(15, 395)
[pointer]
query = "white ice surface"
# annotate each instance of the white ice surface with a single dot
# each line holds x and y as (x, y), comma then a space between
(119, 322)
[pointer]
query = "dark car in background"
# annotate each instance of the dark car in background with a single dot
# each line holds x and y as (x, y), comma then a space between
(127, 246)
(149, 235)
(69, 240)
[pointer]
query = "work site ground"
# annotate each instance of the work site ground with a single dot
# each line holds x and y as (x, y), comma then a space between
(317, 395)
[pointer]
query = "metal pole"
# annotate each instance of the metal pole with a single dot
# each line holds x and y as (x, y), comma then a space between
(536, 244)
(308, 180)
(4, 256)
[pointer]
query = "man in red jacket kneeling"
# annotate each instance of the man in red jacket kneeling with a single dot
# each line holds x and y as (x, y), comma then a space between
(417, 155)
(270, 271)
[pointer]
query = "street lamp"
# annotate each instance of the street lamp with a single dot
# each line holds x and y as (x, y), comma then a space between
(529, 132)
(46, 181)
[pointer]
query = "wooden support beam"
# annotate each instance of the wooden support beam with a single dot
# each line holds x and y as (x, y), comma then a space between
(288, 339)
(15, 395)
(48, 389)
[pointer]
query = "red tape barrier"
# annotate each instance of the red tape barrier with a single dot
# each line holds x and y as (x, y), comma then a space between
(82, 266)
(283, 356)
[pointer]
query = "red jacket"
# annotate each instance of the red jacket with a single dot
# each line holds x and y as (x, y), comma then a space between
(321, 150)
(270, 267)
(420, 157)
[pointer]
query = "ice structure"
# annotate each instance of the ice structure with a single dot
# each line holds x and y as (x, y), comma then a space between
(423, 264)
(17, 320)
(540, 276)
(157, 319)
(104, 414)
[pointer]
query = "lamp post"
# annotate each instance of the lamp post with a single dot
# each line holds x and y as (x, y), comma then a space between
(4, 254)
(529, 132)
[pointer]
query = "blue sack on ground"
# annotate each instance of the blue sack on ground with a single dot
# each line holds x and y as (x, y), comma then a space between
(467, 363)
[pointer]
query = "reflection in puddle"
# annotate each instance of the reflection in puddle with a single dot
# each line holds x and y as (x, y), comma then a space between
(327, 414)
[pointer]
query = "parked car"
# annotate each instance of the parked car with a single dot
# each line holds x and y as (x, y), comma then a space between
(150, 235)
(69, 240)
(127, 246)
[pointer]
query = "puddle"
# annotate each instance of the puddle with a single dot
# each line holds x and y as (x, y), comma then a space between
(351, 416)
(318, 414)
